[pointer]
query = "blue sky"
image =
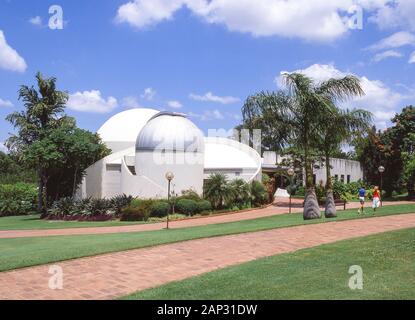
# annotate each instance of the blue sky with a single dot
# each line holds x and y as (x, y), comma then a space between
(203, 57)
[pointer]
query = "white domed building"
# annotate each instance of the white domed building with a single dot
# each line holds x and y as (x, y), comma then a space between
(146, 144)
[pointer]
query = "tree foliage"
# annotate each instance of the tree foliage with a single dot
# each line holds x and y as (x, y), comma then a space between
(48, 141)
(393, 148)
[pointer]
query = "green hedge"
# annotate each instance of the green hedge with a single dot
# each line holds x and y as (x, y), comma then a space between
(191, 207)
(187, 206)
(159, 209)
(17, 199)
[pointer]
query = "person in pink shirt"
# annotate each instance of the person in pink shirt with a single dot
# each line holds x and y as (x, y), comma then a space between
(376, 198)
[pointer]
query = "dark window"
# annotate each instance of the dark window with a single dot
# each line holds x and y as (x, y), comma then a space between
(342, 178)
(348, 178)
(314, 179)
(336, 177)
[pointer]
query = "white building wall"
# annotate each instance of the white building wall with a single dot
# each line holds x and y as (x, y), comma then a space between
(187, 168)
(342, 168)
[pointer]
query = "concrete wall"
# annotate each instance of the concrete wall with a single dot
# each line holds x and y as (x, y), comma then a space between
(342, 169)
(187, 168)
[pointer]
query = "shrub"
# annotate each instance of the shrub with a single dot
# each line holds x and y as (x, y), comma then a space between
(159, 209)
(190, 194)
(259, 195)
(138, 210)
(120, 202)
(204, 206)
(241, 193)
(62, 207)
(17, 199)
(187, 206)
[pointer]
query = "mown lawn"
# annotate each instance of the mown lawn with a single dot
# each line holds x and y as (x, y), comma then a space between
(34, 222)
(387, 261)
(23, 252)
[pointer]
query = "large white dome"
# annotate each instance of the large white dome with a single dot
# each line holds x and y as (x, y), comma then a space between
(125, 126)
(168, 131)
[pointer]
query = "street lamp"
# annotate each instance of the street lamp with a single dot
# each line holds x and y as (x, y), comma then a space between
(290, 173)
(169, 177)
(381, 171)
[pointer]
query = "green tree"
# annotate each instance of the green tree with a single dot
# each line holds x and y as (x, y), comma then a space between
(49, 141)
(43, 111)
(392, 148)
(341, 126)
(298, 114)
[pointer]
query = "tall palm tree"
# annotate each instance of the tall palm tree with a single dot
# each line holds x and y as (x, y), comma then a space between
(311, 103)
(295, 117)
(44, 106)
(340, 126)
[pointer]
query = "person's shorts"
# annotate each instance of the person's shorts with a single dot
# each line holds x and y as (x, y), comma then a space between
(376, 203)
(362, 199)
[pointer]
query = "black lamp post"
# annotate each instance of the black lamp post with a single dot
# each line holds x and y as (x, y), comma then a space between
(381, 171)
(169, 177)
(290, 173)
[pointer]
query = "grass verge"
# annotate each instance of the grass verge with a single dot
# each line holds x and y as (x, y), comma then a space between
(387, 261)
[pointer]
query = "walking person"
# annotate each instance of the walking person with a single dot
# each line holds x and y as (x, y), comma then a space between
(376, 199)
(362, 195)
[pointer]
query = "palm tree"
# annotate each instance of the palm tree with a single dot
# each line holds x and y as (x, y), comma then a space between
(311, 104)
(217, 190)
(340, 126)
(44, 108)
(241, 191)
(296, 117)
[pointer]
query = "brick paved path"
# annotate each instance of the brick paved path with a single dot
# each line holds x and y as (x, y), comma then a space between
(112, 275)
(280, 207)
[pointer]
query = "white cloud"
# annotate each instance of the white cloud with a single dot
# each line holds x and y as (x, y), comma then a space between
(91, 101)
(174, 104)
(396, 40)
(37, 21)
(210, 97)
(412, 58)
(311, 20)
(384, 115)
(148, 94)
(208, 115)
(5, 103)
(379, 98)
(130, 102)
(387, 54)
(141, 13)
(394, 13)
(9, 58)
(319, 20)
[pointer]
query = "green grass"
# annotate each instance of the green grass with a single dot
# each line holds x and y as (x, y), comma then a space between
(23, 252)
(387, 261)
(34, 222)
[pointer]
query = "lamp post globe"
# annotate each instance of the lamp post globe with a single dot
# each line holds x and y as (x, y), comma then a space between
(169, 176)
(381, 169)
(290, 172)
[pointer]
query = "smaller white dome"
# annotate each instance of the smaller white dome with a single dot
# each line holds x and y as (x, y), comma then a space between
(125, 126)
(168, 131)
